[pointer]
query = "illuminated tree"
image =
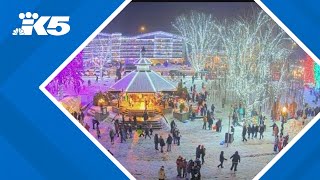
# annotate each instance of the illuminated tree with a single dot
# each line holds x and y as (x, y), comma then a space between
(69, 77)
(200, 37)
(309, 70)
(251, 45)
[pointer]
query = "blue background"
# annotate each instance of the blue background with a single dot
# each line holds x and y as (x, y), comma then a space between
(37, 141)
(303, 19)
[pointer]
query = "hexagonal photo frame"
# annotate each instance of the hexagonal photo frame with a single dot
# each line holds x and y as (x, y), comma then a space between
(177, 94)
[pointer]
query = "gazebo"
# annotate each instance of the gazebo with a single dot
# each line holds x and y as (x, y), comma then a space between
(142, 89)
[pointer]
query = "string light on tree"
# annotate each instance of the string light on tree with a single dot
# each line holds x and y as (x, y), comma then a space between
(309, 70)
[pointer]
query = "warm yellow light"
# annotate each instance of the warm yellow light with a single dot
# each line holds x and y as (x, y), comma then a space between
(142, 28)
(284, 109)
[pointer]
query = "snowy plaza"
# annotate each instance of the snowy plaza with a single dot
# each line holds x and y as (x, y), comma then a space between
(229, 82)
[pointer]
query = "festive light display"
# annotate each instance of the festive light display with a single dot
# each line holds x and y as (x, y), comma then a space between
(160, 46)
(70, 76)
(317, 75)
(252, 46)
(309, 70)
(200, 37)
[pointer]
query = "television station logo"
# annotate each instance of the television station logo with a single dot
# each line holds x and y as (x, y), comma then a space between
(57, 25)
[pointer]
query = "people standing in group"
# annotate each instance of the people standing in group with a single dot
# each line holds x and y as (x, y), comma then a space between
(169, 142)
(221, 159)
(235, 160)
(162, 174)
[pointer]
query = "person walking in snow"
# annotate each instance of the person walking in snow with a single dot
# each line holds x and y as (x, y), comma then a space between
(235, 160)
(146, 133)
(221, 159)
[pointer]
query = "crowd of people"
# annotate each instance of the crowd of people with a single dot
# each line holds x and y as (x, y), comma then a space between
(191, 170)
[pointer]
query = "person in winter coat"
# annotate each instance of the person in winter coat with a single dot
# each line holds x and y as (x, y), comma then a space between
(235, 160)
(130, 131)
(189, 169)
(276, 141)
(179, 162)
(261, 130)
(173, 126)
(210, 122)
(112, 134)
(253, 127)
(178, 137)
(156, 142)
(218, 125)
(203, 153)
(256, 130)
(162, 174)
(146, 133)
(122, 135)
(198, 151)
(244, 132)
(184, 168)
(249, 131)
(221, 159)
(205, 120)
(169, 142)
(162, 143)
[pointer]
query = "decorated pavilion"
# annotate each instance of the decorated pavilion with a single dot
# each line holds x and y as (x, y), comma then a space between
(142, 89)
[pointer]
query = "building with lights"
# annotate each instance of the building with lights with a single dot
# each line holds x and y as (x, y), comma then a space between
(160, 47)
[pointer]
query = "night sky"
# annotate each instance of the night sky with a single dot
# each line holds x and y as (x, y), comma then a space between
(157, 16)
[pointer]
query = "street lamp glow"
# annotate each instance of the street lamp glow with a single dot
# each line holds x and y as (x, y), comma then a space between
(142, 28)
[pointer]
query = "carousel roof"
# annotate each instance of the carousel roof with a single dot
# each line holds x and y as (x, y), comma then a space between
(143, 80)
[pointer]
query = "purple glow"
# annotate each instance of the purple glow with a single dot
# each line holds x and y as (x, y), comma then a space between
(70, 76)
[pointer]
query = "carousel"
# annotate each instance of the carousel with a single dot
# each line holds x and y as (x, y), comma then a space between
(142, 90)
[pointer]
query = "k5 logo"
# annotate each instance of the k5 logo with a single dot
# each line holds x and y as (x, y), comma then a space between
(57, 26)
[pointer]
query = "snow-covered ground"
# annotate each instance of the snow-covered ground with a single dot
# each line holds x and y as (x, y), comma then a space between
(143, 161)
